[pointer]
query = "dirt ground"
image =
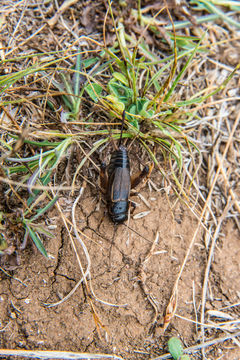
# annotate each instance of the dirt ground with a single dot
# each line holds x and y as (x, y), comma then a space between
(131, 278)
(117, 254)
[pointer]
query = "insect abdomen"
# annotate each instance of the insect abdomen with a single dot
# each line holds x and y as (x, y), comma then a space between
(119, 185)
(119, 159)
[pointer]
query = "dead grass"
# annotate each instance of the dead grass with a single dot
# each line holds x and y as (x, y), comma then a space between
(34, 52)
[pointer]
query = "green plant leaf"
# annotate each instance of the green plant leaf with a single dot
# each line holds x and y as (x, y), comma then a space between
(3, 243)
(146, 114)
(41, 230)
(119, 90)
(76, 75)
(89, 62)
(94, 91)
(46, 208)
(37, 240)
(169, 93)
(132, 119)
(120, 77)
(116, 103)
(175, 347)
(209, 6)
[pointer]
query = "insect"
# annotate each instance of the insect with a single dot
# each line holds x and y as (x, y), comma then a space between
(117, 182)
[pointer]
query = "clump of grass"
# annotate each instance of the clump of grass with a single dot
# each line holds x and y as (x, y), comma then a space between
(127, 76)
(213, 7)
(146, 89)
(36, 169)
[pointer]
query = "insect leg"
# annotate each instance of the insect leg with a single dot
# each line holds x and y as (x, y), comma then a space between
(103, 177)
(137, 178)
(132, 206)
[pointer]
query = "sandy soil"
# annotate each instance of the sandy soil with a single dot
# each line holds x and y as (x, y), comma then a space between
(132, 279)
(117, 254)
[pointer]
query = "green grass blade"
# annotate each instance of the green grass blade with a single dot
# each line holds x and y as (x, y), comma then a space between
(210, 7)
(37, 240)
(76, 76)
(169, 93)
(41, 230)
(46, 208)
(70, 95)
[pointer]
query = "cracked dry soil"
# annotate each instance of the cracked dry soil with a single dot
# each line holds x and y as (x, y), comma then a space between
(116, 253)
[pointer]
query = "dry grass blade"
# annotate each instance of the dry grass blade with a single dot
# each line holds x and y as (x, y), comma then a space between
(12, 277)
(173, 69)
(207, 270)
(171, 308)
(142, 278)
(37, 187)
(66, 355)
(65, 5)
(224, 214)
(68, 90)
(85, 273)
(230, 325)
(231, 192)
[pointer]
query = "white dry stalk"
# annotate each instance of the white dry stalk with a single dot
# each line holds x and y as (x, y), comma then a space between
(144, 200)
(175, 287)
(194, 305)
(142, 277)
(230, 306)
(219, 314)
(199, 193)
(103, 301)
(65, 5)
(141, 215)
(12, 277)
(217, 228)
(66, 355)
(36, 187)
(18, 24)
(87, 272)
(233, 196)
(207, 270)
(220, 326)
(15, 48)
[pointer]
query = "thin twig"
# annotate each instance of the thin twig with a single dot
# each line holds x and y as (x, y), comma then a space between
(233, 196)
(142, 278)
(209, 262)
(85, 273)
(219, 223)
(173, 298)
(57, 355)
(12, 277)
(37, 187)
(65, 5)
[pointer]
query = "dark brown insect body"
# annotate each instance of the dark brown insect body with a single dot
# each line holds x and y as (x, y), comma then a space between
(117, 182)
(119, 185)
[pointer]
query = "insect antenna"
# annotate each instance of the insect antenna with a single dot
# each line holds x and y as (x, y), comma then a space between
(133, 139)
(136, 232)
(120, 139)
